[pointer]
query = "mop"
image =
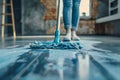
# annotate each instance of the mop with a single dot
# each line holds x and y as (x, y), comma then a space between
(56, 44)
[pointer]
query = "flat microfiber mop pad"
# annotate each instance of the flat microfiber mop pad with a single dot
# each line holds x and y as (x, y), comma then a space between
(52, 45)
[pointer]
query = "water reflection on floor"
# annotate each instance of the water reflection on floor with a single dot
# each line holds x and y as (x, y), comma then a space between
(18, 62)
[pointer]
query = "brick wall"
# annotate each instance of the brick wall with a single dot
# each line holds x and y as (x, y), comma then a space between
(104, 28)
(50, 12)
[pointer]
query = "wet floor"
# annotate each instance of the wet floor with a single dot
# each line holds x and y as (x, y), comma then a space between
(99, 59)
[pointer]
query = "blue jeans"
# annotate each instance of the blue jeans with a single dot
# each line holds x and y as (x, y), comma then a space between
(71, 13)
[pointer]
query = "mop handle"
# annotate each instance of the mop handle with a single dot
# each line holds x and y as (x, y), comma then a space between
(58, 15)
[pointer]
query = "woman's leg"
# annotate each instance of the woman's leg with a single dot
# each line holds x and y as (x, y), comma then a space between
(67, 13)
(75, 14)
(67, 17)
(75, 18)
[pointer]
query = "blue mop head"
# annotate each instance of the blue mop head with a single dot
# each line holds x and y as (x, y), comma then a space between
(57, 37)
(52, 45)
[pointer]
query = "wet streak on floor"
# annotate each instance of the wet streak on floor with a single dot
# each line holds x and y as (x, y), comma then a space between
(20, 63)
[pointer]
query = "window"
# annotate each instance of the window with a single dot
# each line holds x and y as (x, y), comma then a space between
(84, 8)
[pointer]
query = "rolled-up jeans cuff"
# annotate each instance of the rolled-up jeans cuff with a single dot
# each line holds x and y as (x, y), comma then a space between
(67, 26)
(74, 28)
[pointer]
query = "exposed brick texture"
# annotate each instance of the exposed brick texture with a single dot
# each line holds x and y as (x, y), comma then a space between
(104, 28)
(50, 12)
(95, 5)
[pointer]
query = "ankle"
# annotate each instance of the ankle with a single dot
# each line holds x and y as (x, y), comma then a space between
(73, 32)
(68, 31)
